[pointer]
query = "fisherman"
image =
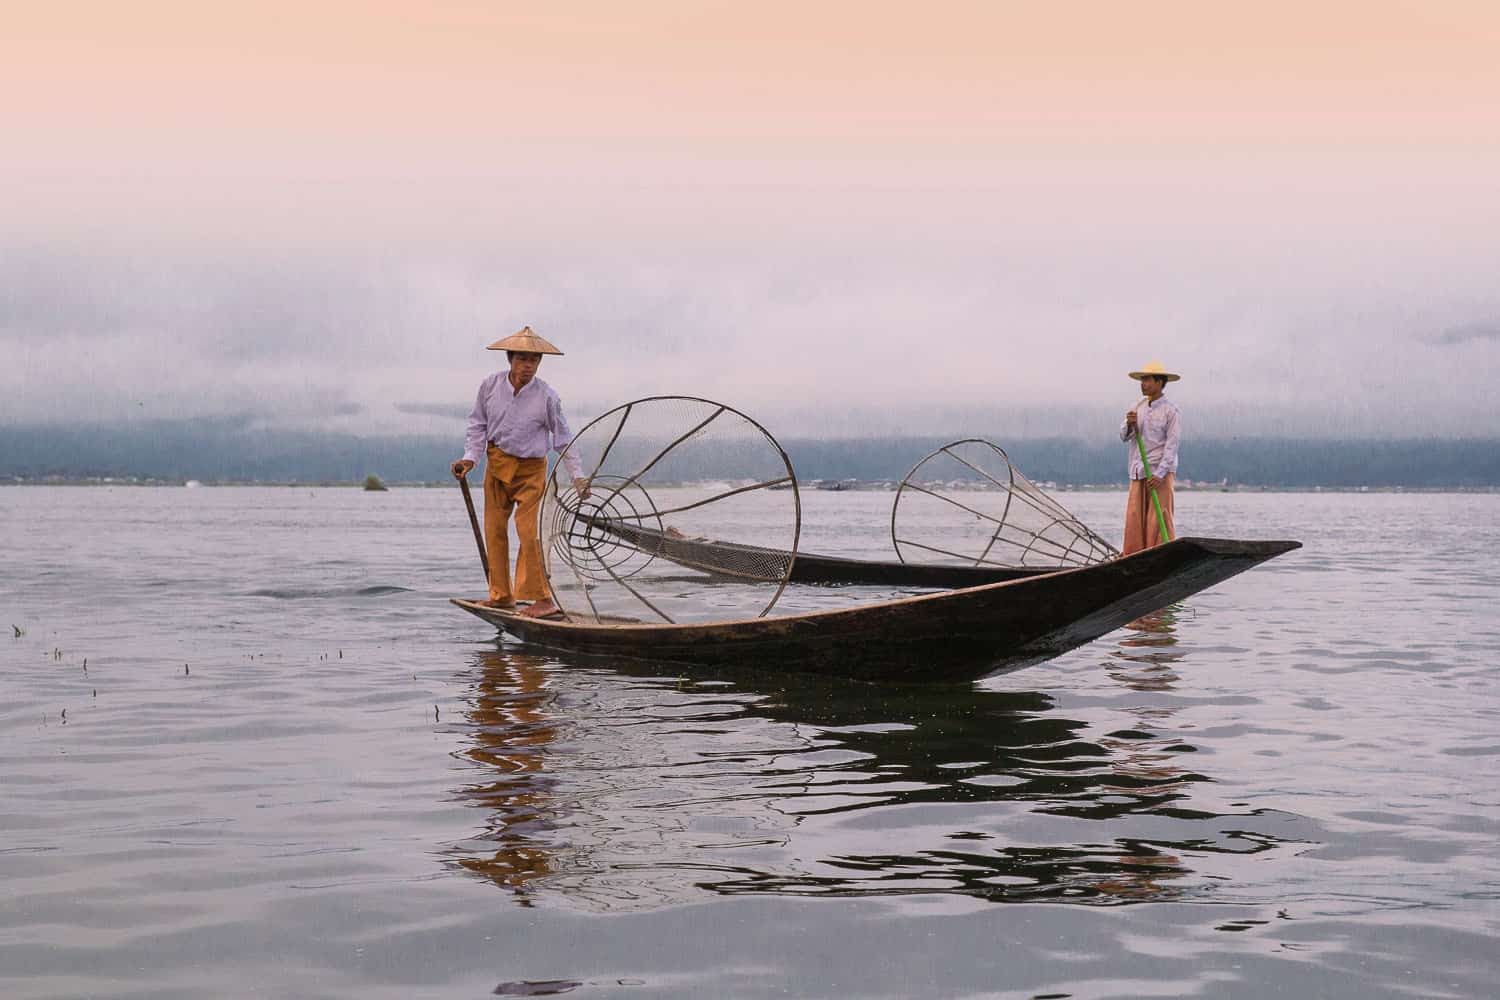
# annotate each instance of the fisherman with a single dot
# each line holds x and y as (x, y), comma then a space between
(1157, 422)
(517, 419)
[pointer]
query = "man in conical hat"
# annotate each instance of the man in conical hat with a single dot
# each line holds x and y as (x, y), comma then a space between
(517, 419)
(1157, 422)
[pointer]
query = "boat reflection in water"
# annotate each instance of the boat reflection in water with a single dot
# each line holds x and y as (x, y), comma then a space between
(611, 790)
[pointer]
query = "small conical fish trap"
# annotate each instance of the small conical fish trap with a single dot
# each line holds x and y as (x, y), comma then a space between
(692, 515)
(966, 504)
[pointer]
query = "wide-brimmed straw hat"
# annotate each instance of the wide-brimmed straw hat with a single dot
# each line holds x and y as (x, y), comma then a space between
(1155, 368)
(524, 340)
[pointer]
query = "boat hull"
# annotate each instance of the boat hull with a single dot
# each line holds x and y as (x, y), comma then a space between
(948, 637)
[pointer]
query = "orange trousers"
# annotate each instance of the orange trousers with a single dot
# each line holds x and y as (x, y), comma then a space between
(514, 484)
(1141, 531)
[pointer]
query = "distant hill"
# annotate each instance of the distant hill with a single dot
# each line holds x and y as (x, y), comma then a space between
(226, 452)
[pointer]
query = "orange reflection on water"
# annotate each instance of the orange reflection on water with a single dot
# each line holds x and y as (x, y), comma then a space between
(512, 730)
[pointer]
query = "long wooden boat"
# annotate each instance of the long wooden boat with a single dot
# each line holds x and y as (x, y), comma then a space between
(732, 559)
(950, 636)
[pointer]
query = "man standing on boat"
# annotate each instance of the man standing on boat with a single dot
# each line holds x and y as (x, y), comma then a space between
(1156, 421)
(517, 419)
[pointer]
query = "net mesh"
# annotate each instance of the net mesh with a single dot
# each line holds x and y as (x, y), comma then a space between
(692, 515)
(966, 504)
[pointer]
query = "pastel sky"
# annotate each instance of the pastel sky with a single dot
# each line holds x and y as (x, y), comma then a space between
(845, 218)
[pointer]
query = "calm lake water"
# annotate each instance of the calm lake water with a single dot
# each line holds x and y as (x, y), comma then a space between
(248, 749)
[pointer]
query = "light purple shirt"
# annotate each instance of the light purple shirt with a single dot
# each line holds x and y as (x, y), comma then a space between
(1161, 428)
(525, 424)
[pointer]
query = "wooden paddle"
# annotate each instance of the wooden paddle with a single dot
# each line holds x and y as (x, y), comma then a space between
(484, 560)
(1161, 521)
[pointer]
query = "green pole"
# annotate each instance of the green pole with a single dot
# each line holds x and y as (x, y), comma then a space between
(1161, 521)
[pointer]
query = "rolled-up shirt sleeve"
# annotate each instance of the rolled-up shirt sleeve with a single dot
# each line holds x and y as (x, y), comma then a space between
(478, 427)
(562, 436)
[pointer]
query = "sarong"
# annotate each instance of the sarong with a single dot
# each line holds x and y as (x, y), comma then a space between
(1141, 531)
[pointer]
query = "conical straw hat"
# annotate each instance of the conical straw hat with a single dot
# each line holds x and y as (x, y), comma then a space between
(524, 340)
(1155, 368)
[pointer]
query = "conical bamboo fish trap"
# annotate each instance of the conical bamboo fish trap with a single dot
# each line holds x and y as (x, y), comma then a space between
(966, 504)
(667, 474)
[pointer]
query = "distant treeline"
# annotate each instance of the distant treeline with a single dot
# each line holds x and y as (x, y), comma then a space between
(223, 452)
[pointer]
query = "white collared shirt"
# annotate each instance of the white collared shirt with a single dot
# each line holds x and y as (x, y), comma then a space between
(1161, 428)
(525, 424)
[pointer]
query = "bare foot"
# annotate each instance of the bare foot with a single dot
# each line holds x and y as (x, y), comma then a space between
(498, 605)
(540, 609)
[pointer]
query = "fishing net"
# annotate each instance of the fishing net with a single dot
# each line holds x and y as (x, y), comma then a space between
(966, 504)
(692, 515)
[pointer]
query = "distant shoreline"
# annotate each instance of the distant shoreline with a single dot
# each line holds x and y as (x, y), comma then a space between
(170, 453)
